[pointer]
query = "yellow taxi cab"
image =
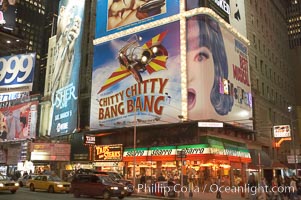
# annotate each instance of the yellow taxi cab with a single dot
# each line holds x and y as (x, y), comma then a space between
(7, 184)
(50, 183)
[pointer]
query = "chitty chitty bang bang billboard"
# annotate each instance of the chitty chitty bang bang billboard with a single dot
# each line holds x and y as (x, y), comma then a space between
(137, 76)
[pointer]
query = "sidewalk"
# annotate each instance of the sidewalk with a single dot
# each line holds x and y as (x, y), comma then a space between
(196, 196)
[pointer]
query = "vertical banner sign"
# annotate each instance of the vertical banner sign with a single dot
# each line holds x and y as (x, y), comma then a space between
(113, 16)
(17, 72)
(219, 84)
(137, 76)
(64, 78)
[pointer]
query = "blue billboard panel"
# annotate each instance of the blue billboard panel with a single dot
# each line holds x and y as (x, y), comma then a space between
(137, 76)
(114, 16)
(66, 65)
(17, 72)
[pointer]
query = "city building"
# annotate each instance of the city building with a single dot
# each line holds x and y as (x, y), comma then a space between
(145, 117)
(27, 27)
(271, 71)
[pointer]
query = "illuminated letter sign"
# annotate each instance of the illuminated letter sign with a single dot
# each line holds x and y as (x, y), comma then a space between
(282, 131)
(108, 152)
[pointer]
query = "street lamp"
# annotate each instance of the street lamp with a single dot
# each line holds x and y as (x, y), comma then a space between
(135, 141)
(290, 110)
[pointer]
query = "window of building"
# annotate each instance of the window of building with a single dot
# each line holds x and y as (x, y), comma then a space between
(257, 84)
(261, 66)
(254, 41)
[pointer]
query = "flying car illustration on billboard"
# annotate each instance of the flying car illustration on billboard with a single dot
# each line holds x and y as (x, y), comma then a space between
(135, 59)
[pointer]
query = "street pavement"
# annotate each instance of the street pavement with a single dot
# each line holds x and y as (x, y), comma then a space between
(196, 196)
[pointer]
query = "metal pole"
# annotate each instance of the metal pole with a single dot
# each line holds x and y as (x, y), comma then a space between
(290, 109)
(182, 181)
(134, 163)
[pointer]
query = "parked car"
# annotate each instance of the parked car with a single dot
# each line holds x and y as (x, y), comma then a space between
(96, 185)
(120, 179)
(50, 183)
(23, 180)
(113, 175)
(8, 184)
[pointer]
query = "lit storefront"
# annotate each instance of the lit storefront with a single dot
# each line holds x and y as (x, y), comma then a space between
(49, 156)
(203, 162)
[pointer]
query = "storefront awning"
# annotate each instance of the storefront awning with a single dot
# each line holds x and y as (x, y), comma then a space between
(236, 151)
(210, 148)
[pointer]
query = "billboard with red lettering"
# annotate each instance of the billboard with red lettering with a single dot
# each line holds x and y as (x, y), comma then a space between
(219, 85)
(136, 79)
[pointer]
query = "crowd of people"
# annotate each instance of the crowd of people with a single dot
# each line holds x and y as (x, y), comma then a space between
(279, 188)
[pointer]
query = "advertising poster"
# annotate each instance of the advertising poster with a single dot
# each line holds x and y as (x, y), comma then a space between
(65, 73)
(18, 120)
(8, 12)
(137, 77)
(113, 16)
(232, 11)
(218, 73)
(17, 73)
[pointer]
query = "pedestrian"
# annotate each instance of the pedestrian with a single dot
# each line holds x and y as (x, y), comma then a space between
(218, 184)
(252, 186)
(161, 177)
(293, 189)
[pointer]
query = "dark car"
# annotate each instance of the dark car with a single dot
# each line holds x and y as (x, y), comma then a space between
(113, 175)
(120, 179)
(96, 185)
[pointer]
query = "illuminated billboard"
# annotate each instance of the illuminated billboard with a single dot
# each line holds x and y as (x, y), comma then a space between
(137, 77)
(17, 73)
(281, 131)
(115, 16)
(218, 73)
(8, 12)
(108, 152)
(18, 119)
(50, 152)
(64, 72)
(231, 11)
